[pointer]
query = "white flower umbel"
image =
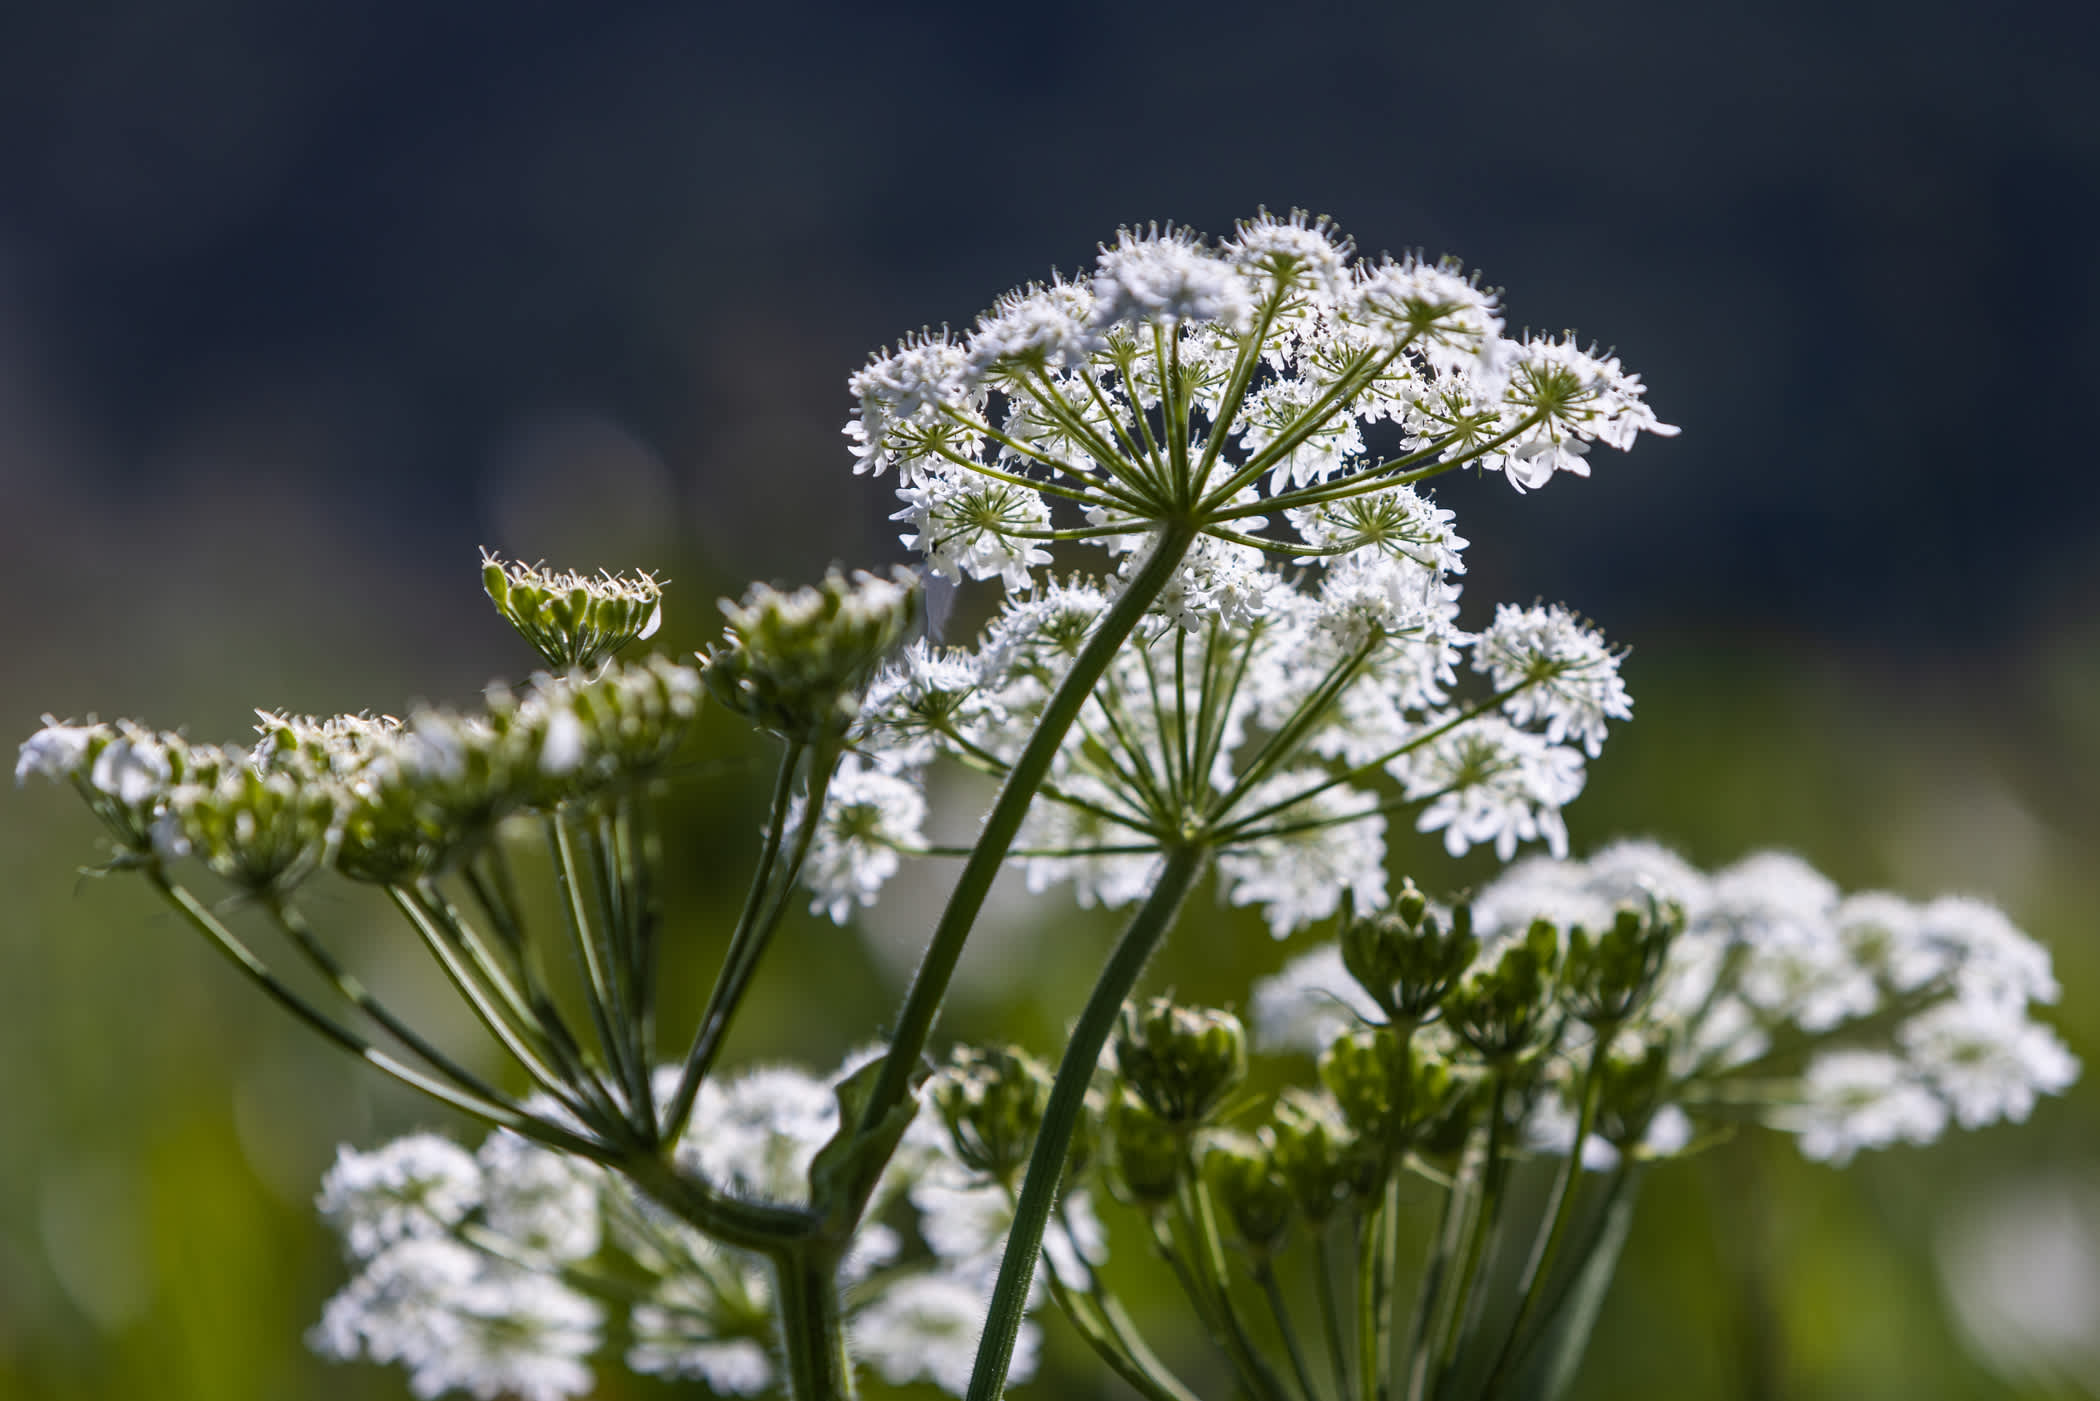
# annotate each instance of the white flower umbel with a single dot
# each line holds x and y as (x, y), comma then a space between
(868, 814)
(1862, 1099)
(1560, 672)
(459, 1320)
(422, 1185)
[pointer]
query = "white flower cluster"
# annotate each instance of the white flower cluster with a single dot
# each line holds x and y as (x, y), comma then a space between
(1273, 711)
(494, 1272)
(460, 1266)
(1850, 1021)
(376, 798)
(1284, 723)
(1180, 373)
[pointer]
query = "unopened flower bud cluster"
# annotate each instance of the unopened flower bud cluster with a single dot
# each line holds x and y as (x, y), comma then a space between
(1759, 992)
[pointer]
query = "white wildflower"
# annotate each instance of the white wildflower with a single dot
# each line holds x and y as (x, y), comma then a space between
(867, 815)
(1569, 679)
(421, 1185)
(1446, 317)
(1320, 848)
(57, 751)
(1037, 328)
(1861, 1099)
(1488, 781)
(1986, 1059)
(544, 1202)
(975, 527)
(1167, 277)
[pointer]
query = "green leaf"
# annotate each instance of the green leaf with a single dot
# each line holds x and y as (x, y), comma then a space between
(843, 1174)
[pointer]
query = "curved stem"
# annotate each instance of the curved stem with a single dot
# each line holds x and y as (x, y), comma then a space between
(501, 1114)
(1046, 1163)
(1484, 1217)
(354, 991)
(714, 1021)
(1434, 1297)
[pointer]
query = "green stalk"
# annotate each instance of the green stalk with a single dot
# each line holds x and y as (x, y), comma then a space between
(1378, 1264)
(762, 1226)
(501, 1114)
(1434, 1299)
(745, 943)
(1265, 1278)
(1199, 1212)
(296, 928)
(811, 1327)
(1046, 1163)
(1480, 1228)
(1559, 1210)
(1134, 1364)
(930, 984)
(511, 1033)
(598, 992)
(1330, 1310)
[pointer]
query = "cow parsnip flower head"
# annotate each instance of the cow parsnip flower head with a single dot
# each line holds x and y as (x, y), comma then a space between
(1180, 374)
(795, 662)
(574, 621)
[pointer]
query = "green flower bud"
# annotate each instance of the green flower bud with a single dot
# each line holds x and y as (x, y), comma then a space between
(1145, 1154)
(574, 622)
(1255, 1199)
(1610, 976)
(1506, 1010)
(1385, 1090)
(1406, 958)
(992, 1102)
(1181, 1061)
(1313, 1152)
(795, 663)
(1630, 1091)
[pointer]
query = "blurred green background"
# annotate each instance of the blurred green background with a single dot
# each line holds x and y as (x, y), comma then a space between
(299, 303)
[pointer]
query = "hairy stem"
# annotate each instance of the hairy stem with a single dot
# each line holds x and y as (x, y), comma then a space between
(995, 1350)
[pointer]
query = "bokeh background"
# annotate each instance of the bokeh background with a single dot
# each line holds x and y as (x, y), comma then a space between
(300, 302)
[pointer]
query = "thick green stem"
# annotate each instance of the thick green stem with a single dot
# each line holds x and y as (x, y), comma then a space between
(1067, 1100)
(930, 985)
(811, 1327)
(760, 1226)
